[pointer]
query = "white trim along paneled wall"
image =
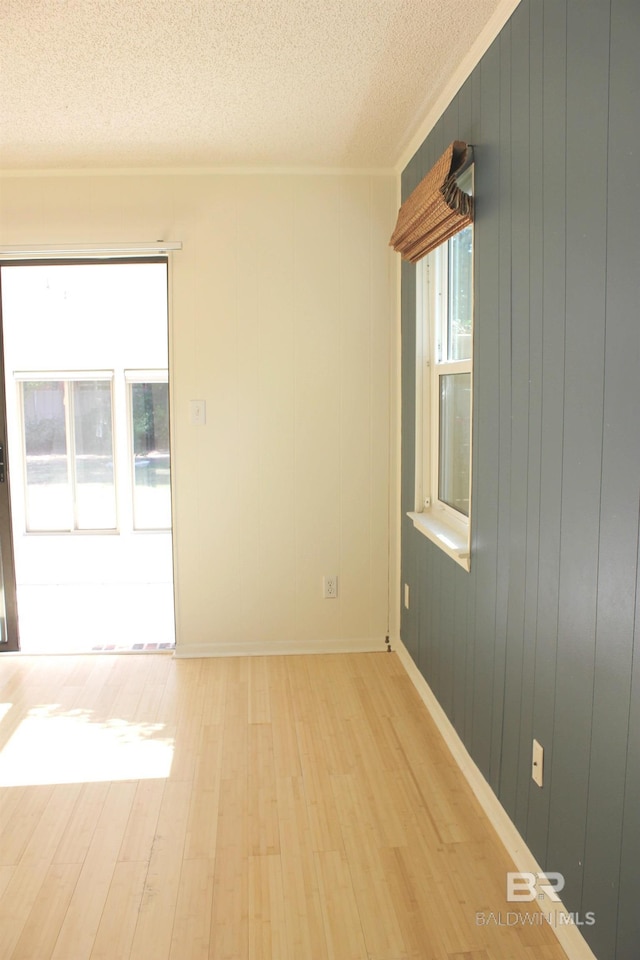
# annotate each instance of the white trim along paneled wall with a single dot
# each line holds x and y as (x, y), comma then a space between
(283, 319)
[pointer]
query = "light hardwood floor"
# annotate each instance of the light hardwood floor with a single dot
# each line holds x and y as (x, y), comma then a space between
(272, 808)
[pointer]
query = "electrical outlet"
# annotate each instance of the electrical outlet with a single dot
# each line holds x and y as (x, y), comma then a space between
(537, 763)
(330, 587)
(406, 595)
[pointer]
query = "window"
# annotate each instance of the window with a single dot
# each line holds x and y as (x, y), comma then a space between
(149, 431)
(72, 425)
(444, 358)
(68, 450)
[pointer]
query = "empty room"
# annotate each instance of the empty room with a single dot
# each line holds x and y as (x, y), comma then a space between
(319, 480)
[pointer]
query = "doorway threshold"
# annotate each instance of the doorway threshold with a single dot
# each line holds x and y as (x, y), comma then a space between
(134, 648)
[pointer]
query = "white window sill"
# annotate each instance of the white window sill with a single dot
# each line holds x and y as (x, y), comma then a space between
(451, 538)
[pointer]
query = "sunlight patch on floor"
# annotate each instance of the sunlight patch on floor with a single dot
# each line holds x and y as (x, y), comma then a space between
(51, 746)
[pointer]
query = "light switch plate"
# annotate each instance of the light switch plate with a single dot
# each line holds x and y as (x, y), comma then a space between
(198, 412)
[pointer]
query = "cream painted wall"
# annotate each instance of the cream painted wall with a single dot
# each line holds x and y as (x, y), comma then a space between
(283, 318)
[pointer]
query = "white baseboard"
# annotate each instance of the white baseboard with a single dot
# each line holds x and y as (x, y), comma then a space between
(262, 648)
(569, 936)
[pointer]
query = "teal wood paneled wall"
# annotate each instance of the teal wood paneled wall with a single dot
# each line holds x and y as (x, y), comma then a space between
(542, 638)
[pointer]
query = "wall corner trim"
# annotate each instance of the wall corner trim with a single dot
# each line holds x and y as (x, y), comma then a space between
(568, 935)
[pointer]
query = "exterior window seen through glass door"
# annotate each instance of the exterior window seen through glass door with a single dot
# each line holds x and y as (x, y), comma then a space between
(149, 404)
(68, 445)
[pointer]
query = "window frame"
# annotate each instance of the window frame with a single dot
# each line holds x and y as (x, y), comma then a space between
(445, 526)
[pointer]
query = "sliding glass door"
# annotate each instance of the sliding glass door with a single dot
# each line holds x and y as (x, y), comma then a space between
(9, 639)
(87, 429)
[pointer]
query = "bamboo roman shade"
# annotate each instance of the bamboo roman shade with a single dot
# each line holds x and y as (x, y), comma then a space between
(436, 210)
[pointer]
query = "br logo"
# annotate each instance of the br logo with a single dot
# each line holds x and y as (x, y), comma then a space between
(526, 887)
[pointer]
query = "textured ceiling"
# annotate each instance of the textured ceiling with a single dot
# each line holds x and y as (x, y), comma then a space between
(159, 83)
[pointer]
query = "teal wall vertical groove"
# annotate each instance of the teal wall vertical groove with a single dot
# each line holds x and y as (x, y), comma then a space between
(542, 638)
